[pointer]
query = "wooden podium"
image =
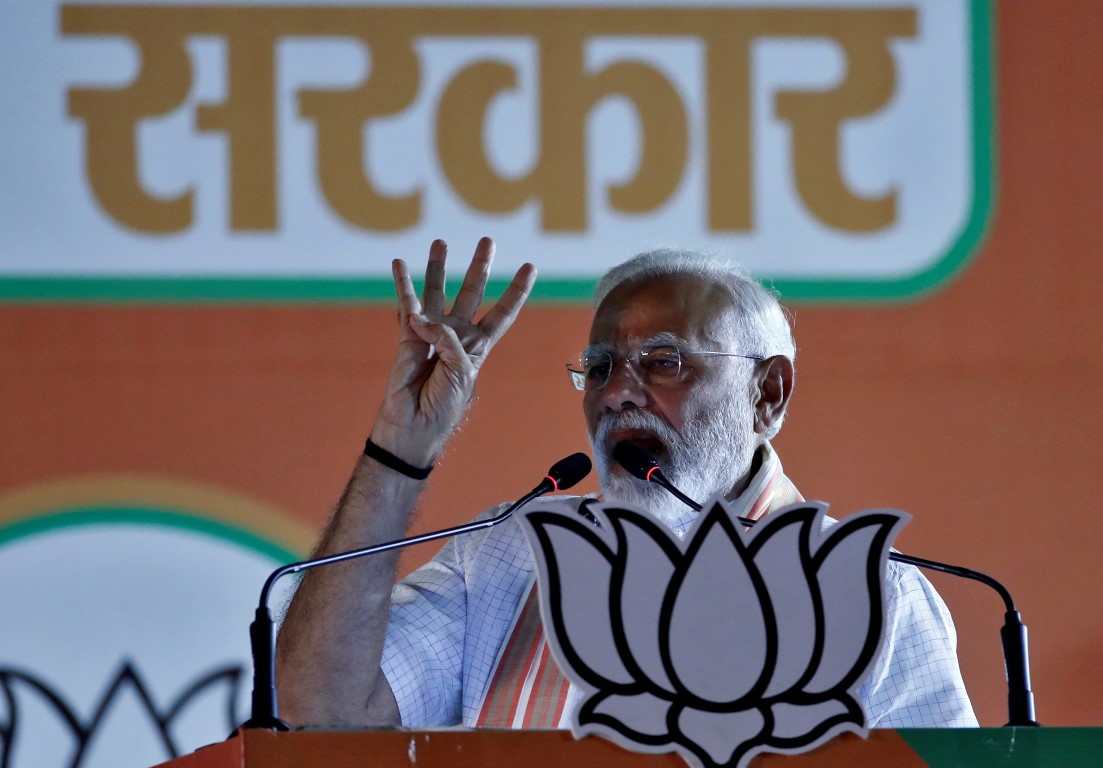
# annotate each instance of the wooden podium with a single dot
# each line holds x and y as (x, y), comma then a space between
(447, 748)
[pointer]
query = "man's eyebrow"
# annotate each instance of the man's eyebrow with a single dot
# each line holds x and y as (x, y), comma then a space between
(665, 339)
(598, 348)
(662, 339)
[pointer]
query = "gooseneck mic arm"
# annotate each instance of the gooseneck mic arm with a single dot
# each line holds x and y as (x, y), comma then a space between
(265, 707)
(1013, 635)
(641, 464)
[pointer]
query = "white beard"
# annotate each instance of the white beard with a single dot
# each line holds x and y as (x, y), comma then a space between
(707, 458)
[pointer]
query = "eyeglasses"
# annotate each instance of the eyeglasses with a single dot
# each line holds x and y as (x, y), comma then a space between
(653, 365)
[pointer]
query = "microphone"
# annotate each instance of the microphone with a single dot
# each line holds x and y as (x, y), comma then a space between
(563, 474)
(640, 463)
(265, 707)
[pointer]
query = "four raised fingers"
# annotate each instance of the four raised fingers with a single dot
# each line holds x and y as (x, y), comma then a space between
(500, 317)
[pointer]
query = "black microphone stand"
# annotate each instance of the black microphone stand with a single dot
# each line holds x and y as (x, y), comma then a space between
(1016, 656)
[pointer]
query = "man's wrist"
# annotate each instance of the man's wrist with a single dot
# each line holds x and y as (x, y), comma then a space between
(417, 447)
(373, 451)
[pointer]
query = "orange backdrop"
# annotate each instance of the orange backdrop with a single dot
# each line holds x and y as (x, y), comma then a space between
(978, 410)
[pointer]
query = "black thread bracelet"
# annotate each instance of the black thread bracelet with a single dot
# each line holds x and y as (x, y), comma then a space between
(388, 459)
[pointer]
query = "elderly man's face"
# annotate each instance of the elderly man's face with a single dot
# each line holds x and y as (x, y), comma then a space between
(701, 428)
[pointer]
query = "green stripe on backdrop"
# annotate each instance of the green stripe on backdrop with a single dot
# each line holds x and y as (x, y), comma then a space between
(129, 515)
(217, 290)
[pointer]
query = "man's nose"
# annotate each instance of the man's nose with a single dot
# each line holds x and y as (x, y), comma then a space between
(625, 389)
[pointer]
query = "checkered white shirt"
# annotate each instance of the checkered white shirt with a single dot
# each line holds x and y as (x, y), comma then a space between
(451, 617)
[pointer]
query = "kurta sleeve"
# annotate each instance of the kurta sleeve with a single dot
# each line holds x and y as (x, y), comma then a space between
(916, 681)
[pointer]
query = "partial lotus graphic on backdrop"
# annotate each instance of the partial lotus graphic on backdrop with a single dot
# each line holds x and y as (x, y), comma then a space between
(123, 630)
(39, 727)
(720, 646)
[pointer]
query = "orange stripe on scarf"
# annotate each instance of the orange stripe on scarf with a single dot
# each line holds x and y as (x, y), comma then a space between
(503, 694)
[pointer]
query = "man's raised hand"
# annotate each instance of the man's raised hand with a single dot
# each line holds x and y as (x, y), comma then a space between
(440, 353)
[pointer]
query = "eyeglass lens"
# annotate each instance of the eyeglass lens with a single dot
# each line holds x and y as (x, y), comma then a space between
(655, 365)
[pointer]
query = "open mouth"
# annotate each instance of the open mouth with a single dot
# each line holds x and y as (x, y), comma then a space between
(644, 439)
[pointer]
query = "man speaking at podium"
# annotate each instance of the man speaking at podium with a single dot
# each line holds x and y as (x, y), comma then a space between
(688, 358)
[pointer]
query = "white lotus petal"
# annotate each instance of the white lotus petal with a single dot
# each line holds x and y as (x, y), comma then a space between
(778, 560)
(796, 721)
(580, 625)
(647, 572)
(721, 733)
(718, 651)
(643, 714)
(848, 588)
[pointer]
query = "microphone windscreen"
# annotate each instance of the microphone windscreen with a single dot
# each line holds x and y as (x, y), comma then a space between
(635, 460)
(566, 472)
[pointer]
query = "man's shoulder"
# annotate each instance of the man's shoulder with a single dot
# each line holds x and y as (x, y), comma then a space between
(902, 579)
(508, 532)
(565, 503)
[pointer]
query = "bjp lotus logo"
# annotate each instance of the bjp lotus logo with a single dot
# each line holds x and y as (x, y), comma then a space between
(720, 646)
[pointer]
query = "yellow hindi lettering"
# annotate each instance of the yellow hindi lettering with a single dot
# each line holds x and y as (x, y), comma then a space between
(340, 117)
(461, 116)
(728, 130)
(247, 116)
(111, 114)
(816, 116)
(567, 94)
(665, 131)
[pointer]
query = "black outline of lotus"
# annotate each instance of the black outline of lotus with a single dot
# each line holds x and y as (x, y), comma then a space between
(838, 709)
(84, 731)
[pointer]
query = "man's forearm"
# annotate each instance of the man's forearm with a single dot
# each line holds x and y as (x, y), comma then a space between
(331, 641)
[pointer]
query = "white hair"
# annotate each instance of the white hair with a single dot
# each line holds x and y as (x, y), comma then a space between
(762, 325)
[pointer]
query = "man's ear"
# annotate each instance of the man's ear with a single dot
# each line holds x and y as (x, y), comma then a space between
(774, 388)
